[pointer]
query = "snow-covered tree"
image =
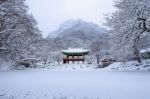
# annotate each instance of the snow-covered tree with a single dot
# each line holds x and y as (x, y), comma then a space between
(129, 24)
(17, 29)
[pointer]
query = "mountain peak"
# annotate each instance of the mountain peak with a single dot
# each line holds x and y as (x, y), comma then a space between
(70, 26)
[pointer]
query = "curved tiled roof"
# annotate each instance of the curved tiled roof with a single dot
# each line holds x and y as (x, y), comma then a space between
(75, 51)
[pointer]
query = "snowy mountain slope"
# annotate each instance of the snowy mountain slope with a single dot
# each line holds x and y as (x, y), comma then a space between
(64, 26)
(78, 29)
(78, 33)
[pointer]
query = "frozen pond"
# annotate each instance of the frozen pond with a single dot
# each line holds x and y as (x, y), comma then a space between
(45, 84)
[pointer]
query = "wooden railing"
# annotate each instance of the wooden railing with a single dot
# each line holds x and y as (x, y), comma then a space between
(74, 59)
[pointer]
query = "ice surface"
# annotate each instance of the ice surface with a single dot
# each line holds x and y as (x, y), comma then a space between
(46, 84)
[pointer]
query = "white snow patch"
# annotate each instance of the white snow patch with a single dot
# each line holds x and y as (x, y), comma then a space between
(130, 66)
(49, 84)
(145, 50)
(5, 65)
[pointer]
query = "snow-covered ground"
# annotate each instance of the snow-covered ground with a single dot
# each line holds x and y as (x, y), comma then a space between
(116, 66)
(130, 66)
(72, 67)
(130, 80)
(74, 84)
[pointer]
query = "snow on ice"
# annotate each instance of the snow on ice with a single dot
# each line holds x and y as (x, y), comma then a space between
(74, 84)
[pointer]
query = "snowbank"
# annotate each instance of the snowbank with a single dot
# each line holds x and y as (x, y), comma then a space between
(130, 66)
(5, 65)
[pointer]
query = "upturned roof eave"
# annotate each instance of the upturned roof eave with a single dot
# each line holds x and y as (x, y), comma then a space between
(75, 53)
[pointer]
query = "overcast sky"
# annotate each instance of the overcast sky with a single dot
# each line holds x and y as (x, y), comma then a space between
(51, 13)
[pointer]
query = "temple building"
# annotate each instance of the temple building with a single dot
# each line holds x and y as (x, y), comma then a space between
(74, 55)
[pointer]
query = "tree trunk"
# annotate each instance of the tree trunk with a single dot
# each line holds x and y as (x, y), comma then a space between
(136, 53)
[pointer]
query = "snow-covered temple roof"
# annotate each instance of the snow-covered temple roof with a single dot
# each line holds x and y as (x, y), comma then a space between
(73, 51)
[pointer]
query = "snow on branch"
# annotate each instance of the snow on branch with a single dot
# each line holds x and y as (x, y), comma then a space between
(8, 30)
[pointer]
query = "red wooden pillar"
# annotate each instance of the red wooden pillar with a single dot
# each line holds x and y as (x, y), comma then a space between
(73, 59)
(64, 61)
(67, 59)
(78, 59)
(83, 59)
